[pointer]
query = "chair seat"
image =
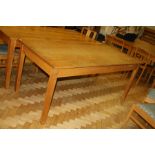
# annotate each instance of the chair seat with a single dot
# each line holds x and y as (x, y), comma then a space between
(149, 109)
(150, 98)
(3, 55)
(151, 93)
(3, 49)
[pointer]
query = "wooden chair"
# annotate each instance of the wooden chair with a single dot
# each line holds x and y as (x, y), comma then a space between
(89, 33)
(150, 98)
(115, 41)
(143, 56)
(143, 115)
(152, 73)
(3, 56)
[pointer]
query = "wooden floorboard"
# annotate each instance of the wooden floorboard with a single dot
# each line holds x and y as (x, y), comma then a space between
(81, 102)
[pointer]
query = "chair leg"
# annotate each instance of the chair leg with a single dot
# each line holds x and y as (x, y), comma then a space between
(20, 69)
(129, 114)
(141, 74)
(150, 76)
(48, 96)
(129, 84)
(125, 74)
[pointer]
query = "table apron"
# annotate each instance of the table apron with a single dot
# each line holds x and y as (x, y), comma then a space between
(94, 70)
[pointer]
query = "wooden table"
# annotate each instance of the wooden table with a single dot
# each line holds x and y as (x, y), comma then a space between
(63, 53)
(10, 35)
(72, 57)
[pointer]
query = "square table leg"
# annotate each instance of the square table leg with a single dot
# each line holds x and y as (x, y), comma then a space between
(20, 68)
(50, 87)
(48, 97)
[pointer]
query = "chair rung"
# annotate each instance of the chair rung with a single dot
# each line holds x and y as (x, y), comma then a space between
(137, 122)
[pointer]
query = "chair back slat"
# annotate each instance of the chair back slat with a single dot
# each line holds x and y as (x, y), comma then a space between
(89, 33)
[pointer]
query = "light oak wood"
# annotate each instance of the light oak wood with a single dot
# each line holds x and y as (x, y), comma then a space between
(49, 94)
(10, 35)
(134, 72)
(20, 68)
(10, 57)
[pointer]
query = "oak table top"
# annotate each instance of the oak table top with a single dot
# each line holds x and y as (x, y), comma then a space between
(66, 54)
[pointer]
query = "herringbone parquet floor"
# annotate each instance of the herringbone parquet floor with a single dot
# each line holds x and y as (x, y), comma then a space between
(85, 102)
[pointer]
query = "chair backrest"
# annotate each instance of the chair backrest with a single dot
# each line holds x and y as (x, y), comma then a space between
(115, 41)
(3, 60)
(89, 33)
(129, 47)
(118, 41)
(142, 55)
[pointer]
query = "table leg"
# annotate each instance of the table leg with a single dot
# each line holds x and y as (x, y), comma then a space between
(20, 69)
(10, 56)
(48, 97)
(129, 83)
